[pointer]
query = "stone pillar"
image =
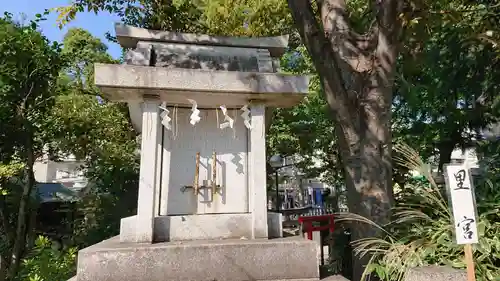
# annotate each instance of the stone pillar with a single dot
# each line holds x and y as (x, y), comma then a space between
(147, 176)
(165, 172)
(257, 167)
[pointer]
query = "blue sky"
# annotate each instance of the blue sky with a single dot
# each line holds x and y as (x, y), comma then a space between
(98, 25)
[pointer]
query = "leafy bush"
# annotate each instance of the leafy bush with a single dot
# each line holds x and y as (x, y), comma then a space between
(45, 263)
(422, 232)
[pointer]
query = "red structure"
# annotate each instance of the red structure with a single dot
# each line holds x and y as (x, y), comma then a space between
(308, 224)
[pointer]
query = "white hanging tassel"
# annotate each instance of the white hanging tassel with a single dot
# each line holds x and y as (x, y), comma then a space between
(246, 116)
(195, 115)
(228, 121)
(165, 119)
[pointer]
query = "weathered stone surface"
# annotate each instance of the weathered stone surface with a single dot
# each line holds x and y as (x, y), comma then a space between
(193, 61)
(275, 225)
(129, 36)
(330, 278)
(209, 88)
(139, 56)
(201, 227)
(203, 57)
(336, 278)
(223, 260)
(436, 273)
(187, 56)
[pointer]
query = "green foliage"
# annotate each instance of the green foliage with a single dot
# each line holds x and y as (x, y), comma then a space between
(177, 15)
(81, 50)
(448, 76)
(7, 172)
(89, 129)
(240, 17)
(98, 132)
(246, 17)
(66, 116)
(422, 232)
(306, 129)
(45, 263)
(29, 66)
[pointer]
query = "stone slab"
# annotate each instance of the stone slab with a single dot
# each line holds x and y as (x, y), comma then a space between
(141, 55)
(201, 227)
(337, 278)
(173, 55)
(331, 278)
(128, 36)
(291, 258)
(210, 89)
(205, 57)
(275, 225)
(435, 273)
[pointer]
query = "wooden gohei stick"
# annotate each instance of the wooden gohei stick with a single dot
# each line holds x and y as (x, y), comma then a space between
(197, 174)
(214, 174)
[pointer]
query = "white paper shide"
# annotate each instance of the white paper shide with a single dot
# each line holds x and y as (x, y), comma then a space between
(463, 206)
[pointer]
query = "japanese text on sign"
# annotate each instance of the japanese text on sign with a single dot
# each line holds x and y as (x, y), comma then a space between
(462, 201)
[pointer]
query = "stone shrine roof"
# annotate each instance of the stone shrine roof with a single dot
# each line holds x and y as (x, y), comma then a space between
(129, 83)
(129, 36)
(212, 70)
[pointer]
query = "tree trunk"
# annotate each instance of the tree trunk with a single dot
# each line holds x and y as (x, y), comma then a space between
(3, 268)
(23, 213)
(447, 145)
(368, 175)
(31, 229)
(4, 219)
(357, 74)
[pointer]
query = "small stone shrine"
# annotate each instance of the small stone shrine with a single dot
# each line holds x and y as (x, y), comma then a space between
(200, 104)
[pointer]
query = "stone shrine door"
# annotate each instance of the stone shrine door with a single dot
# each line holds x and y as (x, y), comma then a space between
(183, 143)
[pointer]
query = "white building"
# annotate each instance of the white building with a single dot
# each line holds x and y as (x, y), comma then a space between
(67, 172)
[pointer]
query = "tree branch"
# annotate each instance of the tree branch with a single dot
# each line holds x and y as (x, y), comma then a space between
(322, 55)
(4, 218)
(387, 17)
(387, 29)
(353, 48)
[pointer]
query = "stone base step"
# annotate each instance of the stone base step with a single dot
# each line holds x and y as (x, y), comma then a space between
(281, 259)
(330, 278)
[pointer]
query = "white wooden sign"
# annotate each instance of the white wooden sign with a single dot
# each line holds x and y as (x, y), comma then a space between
(461, 193)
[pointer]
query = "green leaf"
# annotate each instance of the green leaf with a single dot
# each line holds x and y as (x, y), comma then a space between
(380, 271)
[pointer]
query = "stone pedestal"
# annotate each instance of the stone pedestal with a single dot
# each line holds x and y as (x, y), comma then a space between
(202, 227)
(202, 204)
(223, 260)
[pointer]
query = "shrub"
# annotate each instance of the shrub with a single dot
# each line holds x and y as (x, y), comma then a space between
(422, 232)
(46, 263)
